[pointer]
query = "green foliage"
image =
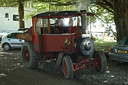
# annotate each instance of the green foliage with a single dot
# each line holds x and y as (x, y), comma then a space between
(106, 4)
(8, 3)
(59, 5)
(102, 14)
(39, 7)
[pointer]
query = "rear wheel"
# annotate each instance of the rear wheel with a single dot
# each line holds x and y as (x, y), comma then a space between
(29, 56)
(100, 62)
(6, 47)
(68, 67)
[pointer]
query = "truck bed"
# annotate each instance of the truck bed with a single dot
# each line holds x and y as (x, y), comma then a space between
(24, 36)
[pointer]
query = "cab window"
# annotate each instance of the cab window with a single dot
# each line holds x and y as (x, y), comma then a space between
(75, 21)
(45, 25)
(39, 26)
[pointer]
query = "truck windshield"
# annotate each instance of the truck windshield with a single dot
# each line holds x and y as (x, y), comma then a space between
(72, 21)
(66, 22)
(75, 21)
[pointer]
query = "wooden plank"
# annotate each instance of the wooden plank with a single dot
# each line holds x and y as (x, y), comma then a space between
(25, 36)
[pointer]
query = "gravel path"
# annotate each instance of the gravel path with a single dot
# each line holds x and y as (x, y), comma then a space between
(12, 72)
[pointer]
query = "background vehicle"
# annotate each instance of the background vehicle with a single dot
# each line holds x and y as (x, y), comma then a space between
(60, 38)
(119, 51)
(2, 34)
(10, 41)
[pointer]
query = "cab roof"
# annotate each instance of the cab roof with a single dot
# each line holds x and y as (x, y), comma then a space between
(59, 14)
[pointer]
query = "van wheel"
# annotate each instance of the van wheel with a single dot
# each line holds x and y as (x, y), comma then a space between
(29, 56)
(68, 67)
(6, 47)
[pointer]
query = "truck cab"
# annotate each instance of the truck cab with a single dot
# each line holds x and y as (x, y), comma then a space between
(61, 37)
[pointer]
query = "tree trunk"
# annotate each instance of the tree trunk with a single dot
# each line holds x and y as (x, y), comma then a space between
(21, 13)
(121, 18)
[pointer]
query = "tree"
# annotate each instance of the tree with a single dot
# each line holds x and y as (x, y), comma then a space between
(120, 11)
(21, 13)
(104, 17)
(121, 18)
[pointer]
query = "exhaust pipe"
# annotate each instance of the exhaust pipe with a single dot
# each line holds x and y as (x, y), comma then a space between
(83, 21)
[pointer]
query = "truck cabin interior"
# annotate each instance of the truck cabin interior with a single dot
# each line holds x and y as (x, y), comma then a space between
(58, 22)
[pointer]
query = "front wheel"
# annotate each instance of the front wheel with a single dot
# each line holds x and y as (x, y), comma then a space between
(100, 62)
(68, 67)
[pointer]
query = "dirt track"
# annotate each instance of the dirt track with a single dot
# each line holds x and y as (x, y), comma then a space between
(12, 72)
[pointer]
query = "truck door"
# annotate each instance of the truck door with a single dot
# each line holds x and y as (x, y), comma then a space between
(37, 31)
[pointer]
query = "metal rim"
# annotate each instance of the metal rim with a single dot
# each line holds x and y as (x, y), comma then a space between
(97, 63)
(65, 68)
(26, 55)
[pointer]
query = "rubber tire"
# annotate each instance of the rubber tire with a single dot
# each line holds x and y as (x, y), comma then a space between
(103, 61)
(33, 56)
(69, 68)
(9, 47)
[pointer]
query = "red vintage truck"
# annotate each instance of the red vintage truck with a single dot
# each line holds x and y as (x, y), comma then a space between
(60, 37)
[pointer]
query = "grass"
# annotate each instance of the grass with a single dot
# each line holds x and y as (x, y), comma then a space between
(101, 45)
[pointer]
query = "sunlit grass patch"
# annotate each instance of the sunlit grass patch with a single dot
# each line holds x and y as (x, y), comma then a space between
(103, 45)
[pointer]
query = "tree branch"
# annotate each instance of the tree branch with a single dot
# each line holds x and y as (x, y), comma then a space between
(106, 5)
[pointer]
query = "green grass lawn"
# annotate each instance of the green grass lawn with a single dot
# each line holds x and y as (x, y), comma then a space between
(103, 45)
